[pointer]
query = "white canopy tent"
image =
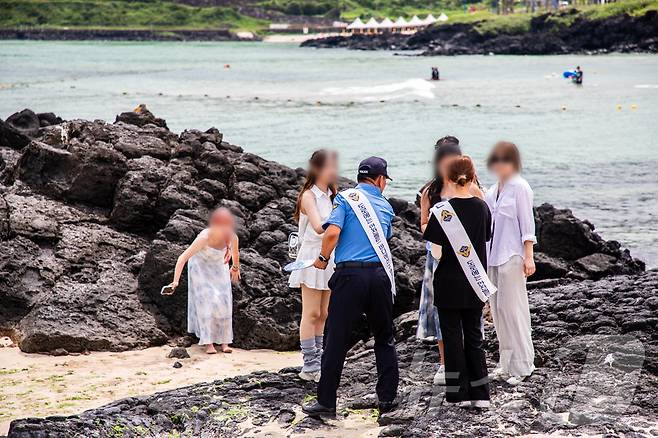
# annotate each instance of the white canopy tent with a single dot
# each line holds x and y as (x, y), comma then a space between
(356, 24)
(429, 19)
(443, 17)
(415, 21)
(386, 23)
(372, 23)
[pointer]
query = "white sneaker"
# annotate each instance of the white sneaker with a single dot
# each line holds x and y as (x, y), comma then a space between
(440, 376)
(481, 404)
(515, 380)
(497, 374)
(310, 376)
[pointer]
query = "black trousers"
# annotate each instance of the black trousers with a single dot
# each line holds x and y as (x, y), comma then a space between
(355, 291)
(466, 366)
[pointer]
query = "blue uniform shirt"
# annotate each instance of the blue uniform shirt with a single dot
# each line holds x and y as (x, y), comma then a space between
(353, 244)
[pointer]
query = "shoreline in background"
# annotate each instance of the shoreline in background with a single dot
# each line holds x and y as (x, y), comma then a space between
(37, 385)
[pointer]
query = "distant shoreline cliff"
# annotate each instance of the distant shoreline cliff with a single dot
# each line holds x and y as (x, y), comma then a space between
(558, 33)
(120, 35)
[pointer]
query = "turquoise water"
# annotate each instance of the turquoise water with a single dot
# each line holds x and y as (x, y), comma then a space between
(282, 102)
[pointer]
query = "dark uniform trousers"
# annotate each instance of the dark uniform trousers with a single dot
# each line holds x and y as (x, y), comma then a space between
(466, 367)
(355, 291)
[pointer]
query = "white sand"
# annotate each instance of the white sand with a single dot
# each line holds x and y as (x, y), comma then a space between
(34, 385)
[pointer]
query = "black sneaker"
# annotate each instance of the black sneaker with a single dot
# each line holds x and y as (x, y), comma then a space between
(315, 409)
(388, 406)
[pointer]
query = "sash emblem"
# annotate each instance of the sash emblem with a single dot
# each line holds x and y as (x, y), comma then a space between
(446, 215)
(354, 196)
(465, 250)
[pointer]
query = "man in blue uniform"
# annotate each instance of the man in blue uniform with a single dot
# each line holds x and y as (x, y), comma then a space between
(360, 284)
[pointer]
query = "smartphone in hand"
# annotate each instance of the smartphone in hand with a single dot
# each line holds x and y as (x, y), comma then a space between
(167, 290)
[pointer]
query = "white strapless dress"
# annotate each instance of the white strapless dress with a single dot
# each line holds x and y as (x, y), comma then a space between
(209, 297)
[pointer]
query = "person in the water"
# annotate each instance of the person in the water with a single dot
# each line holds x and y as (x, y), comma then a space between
(435, 73)
(578, 77)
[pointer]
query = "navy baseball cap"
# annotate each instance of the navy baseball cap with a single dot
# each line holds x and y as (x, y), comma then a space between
(373, 167)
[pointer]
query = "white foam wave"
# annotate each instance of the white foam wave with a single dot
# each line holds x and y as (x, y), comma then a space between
(412, 87)
(647, 86)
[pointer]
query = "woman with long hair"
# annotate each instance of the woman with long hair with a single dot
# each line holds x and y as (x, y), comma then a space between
(511, 262)
(437, 190)
(209, 278)
(459, 306)
(314, 205)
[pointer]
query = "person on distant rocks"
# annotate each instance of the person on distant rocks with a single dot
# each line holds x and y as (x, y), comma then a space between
(435, 73)
(511, 262)
(364, 282)
(459, 228)
(437, 190)
(209, 278)
(312, 210)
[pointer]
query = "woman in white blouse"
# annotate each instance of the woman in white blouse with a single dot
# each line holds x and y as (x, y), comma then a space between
(314, 204)
(510, 258)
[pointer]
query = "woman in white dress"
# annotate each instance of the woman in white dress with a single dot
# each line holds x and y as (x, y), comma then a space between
(209, 296)
(314, 205)
(510, 256)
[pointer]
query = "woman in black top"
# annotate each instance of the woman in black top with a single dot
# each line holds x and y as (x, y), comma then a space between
(460, 309)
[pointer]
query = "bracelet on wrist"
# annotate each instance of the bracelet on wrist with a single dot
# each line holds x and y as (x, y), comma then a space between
(235, 268)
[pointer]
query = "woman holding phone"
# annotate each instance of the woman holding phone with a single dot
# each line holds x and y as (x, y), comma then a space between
(209, 296)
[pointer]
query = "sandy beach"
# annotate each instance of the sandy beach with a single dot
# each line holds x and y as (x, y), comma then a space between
(35, 385)
(296, 38)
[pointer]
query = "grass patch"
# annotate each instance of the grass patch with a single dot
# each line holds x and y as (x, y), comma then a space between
(162, 382)
(8, 371)
(233, 412)
(119, 14)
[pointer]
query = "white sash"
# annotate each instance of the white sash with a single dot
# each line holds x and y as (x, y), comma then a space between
(373, 228)
(466, 255)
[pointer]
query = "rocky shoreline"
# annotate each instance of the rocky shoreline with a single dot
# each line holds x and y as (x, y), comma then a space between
(547, 35)
(597, 374)
(94, 214)
(26, 33)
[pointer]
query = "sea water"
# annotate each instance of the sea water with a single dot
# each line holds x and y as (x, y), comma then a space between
(593, 149)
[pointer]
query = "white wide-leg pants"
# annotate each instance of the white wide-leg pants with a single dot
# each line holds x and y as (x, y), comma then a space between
(511, 316)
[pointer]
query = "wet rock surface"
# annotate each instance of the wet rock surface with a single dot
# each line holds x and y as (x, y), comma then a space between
(597, 374)
(546, 35)
(93, 216)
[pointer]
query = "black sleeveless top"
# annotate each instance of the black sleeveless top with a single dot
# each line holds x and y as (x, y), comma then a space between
(451, 287)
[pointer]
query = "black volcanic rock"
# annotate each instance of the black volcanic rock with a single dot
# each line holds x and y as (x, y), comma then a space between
(87, 207)
(94, 215)
(26, 122)
(597, 374)
(11, 137)
(140, 116)
(547, 34)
